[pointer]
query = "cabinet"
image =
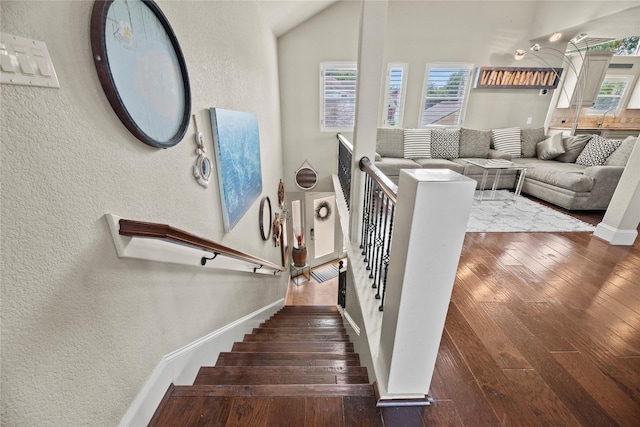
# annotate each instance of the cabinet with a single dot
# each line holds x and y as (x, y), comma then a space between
(583, 79)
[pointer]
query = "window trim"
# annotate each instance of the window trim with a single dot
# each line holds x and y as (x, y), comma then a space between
(465, 99)
(624, 99)
(323, 67)
(385, 95)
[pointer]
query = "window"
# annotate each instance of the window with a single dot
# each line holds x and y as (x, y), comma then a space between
(610, 95)
(395, 88)
(445, 94)
(338, 98)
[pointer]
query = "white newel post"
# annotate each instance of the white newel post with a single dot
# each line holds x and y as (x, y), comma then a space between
(429, 228)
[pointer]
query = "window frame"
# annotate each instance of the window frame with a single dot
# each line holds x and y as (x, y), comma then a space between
(592, 111)
(335, 65)
(384, 118)
(465, 98)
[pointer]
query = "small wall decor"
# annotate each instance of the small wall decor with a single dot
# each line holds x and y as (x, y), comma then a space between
(284, 239)
(517, 78)
(141, 69)
(281, 195)
(323, 211)
(202, 168)
(264, 218)
(277, 229)
(306, 177)
(236, 140)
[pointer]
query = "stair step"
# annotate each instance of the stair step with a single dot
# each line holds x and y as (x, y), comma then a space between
(293, 330)
(309, 309)
(278, 378)
(286, 347)
(287, 359)
(297, 370)
(275, 390)
(295, 338)
(303, 323)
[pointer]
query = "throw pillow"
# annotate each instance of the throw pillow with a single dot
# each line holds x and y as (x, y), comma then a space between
(597, 150)
(417, 143)
(389, 142)
(551, 147)
(573, 146)
(445, 143)
(530, 137)
(474, 143)
(620, 157)
(507, 140)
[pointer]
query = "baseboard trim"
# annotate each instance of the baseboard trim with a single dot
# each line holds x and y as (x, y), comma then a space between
(615, 236)
(181, 366)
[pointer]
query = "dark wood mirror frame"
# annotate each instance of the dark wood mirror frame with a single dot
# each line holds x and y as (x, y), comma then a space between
(99, 29)
(265, 218)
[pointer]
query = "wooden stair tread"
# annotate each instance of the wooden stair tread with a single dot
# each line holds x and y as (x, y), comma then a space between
(272, 379)
(293, 329)
(295, 338)
(310, 370)
(285, 347)
(275, 390)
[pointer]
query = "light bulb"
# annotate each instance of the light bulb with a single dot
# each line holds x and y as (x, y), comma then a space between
(555, 37)
(519, 54)
(535, 47)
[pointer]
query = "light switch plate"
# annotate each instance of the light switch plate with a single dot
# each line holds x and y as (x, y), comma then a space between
(26, 62)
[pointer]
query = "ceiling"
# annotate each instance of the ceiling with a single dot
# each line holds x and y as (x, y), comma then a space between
(284, 15)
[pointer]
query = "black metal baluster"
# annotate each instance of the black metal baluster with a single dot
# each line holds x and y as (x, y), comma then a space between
(365, 213)
(387, 256)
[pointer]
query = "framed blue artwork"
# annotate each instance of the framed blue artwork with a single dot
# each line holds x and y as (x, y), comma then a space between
(236, 142)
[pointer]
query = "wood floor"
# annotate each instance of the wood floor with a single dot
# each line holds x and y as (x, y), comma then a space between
(543, 329)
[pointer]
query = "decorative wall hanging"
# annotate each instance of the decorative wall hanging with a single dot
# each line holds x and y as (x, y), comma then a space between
(306, 177)
(236, 141)
(281, 195)
(517, 78)
(264, 218)
(277, 229)
(284, 239)
(323, 211)
(141, 69)
(202, 168)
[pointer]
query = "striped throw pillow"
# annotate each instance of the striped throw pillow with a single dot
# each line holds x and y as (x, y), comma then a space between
(417, 143)
(507, 140)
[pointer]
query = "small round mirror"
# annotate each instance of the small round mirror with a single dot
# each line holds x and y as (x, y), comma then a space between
(306, 178)
(265, 218)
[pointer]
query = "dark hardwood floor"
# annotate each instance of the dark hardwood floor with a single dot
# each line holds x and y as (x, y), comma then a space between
(542, 329)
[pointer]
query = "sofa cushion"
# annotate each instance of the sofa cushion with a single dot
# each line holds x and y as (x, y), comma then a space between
(507, 140)
(530, 137)
(620, 157)
(573, 146)
(577, 182)
(440, 164)
(389, 142)
(391, 166)
(474, 143)
(550, 148)
(445, 143)
(417, 143)
(597, 151)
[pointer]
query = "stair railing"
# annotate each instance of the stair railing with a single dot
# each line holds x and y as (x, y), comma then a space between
(345, 157)
(193, 247)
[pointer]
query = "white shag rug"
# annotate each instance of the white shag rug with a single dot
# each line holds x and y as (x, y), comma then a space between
(524, 215)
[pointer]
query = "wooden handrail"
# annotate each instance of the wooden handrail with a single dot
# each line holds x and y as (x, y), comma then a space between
(345, 141)
(165, 232)
(389, 188)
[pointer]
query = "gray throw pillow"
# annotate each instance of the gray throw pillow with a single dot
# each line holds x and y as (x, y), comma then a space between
(597, 151)
(551, 147)
(389, 142)
(445, 143)
(474, 143)
(530, 137)
(573, 146)
(620, 157)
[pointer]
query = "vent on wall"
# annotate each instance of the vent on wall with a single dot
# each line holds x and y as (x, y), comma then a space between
(627, 66)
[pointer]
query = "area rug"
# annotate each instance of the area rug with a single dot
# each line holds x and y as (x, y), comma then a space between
(322, 274)
(524, 215)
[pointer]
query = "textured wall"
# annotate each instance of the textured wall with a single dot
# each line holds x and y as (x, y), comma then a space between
(82, 329)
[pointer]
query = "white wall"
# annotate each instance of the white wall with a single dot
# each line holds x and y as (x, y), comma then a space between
(82, 329)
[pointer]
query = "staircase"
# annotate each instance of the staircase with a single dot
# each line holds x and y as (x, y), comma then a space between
(297, 369)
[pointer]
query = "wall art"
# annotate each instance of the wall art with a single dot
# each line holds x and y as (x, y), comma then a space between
(141, 69)
(202, 168)
(236, 142)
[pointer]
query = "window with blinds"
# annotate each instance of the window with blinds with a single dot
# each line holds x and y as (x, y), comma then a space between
(445, 94)
(338, 86)
(395, 88)
(611, 92)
